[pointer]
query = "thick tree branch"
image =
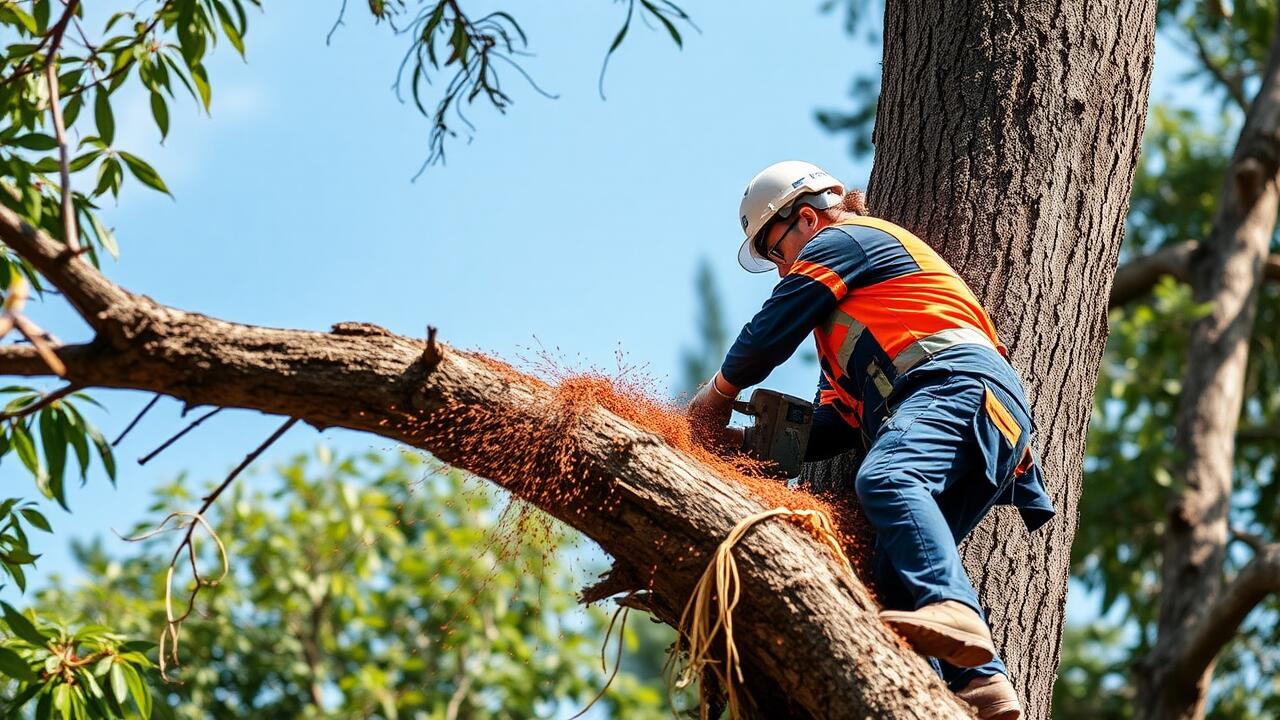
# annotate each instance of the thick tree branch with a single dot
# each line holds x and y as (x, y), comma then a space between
(1136, 278)
(649, 505)
(83, 286)
(1258, 579)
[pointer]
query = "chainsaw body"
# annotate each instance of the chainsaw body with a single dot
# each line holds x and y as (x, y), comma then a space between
(780, 432)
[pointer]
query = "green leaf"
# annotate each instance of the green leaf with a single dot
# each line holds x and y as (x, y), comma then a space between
(62, 700)
(76, 435)
(201, 79)
(139, 646)
(138, 689)
(12, 664)
(55, 452)
(119, 685)
(34, 141)
(160, 111)
(41, 13)
(104, 452)
(21, 626)
(44, 706)
(34, 517)
(144, 172)
(229, 28)
(72, 110)
(103, 117)
(105, 236)
(108, 176)
(26, 449)
(671, 28)
(27, 21)
(84, 160)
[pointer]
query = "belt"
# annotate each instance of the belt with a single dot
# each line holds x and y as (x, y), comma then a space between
(928, 346)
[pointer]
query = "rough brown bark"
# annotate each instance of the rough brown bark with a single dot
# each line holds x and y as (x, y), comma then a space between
(1007, 136)
(804, 625)
(1174, 677)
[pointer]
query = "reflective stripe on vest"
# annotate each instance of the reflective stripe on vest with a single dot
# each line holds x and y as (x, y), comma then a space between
(854, 330)
(926, 347)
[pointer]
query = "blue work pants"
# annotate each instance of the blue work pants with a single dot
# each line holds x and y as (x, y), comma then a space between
(936, 467)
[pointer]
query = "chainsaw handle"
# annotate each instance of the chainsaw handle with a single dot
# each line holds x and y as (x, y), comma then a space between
(744, 407)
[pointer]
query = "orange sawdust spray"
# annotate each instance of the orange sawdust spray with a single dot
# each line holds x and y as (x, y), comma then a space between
(533, 454)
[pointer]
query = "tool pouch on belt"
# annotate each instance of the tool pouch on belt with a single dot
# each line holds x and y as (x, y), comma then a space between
(1005, 435)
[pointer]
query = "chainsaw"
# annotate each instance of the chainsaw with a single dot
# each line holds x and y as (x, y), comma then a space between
(780, 432)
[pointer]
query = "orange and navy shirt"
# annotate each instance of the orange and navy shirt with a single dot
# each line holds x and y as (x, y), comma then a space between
(880, 303)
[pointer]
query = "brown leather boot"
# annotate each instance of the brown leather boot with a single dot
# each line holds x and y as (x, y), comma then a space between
(993, 697)
(948, 630)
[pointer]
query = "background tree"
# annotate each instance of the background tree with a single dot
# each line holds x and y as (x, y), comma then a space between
(367, 586)
(1214, 476)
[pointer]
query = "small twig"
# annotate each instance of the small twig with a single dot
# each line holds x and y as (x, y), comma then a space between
(136, 419)
(45, 401)
(37, 338)
(169, 636)
(148, 457)
(72, 238)
(1253, 541)
(248, 459)
(431, 353)
(1233, 87)
(342, 11)
(617, 662)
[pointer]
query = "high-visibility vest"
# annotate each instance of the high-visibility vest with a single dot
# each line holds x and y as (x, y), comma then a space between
(881, 330)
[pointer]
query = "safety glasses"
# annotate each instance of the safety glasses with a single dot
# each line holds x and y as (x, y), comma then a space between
(773, 251)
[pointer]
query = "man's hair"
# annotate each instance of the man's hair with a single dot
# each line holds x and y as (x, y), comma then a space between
(854, 201)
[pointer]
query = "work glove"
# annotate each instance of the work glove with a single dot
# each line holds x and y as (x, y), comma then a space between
(709, 412)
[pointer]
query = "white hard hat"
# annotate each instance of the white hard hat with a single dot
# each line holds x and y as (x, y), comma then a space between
(773, 192)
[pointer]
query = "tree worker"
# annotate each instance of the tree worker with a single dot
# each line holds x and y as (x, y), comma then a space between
(913, 372)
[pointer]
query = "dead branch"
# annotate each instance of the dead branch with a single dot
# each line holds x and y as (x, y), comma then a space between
(136, 419)
(165, 445)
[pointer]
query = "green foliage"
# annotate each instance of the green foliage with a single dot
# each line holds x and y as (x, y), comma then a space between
(1130, 460)
(56, 671)
(1094, 681)
(366, 587)
(1179, 176)
(44, 440)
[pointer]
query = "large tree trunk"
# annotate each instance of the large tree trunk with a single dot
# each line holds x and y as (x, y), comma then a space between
(1227, 272)
(1007, 137)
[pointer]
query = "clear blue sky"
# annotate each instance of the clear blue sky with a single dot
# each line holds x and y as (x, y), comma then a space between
(572, 223)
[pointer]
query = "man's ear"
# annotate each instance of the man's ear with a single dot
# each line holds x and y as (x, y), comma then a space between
(809, 216)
